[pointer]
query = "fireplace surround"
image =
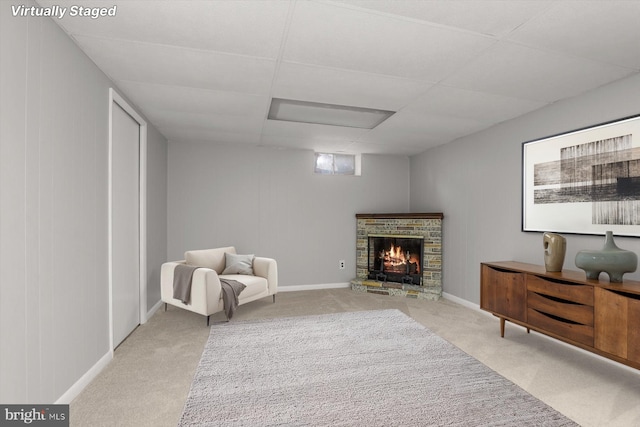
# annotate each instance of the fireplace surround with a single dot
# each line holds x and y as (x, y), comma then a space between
(399, 254)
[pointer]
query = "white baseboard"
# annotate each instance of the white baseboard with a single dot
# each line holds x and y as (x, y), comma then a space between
(461, 301)
(93, 372)
(313, 287)
(84, 381)
(153, 310)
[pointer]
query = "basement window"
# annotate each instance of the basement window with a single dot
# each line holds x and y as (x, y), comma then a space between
(337, 164)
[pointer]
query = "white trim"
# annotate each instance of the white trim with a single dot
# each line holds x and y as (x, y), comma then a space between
(313, 287)
(153, 309)
(461, 301)
(143, 220)
(142, 211)
(84, 380)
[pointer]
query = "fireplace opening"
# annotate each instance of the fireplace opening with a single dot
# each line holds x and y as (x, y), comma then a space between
(396, 258)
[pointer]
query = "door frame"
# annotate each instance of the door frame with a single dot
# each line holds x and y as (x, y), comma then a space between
(115, 97)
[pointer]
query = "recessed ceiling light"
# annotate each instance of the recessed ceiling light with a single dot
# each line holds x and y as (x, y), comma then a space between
(326, 114)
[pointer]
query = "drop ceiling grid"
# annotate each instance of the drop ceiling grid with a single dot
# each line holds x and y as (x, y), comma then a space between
(377, 44)
(205, 72)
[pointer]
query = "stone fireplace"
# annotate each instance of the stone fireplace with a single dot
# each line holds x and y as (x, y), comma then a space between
(399, 254)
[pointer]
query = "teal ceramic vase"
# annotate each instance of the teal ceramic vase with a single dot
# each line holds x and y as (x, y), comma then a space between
(610, 259)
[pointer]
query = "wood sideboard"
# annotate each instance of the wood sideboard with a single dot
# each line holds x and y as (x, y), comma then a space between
(595, 315)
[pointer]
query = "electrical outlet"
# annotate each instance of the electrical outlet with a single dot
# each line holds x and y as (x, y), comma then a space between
(341, 264)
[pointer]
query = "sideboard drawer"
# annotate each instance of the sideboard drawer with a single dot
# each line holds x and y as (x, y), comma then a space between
(560, 289)
(563, 328)
(578, 313)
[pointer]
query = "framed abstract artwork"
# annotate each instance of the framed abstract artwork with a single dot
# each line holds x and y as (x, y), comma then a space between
(585, 181)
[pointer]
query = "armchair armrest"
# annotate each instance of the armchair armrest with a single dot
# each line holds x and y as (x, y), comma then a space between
(166, 280)
(206, 290)
(267, 268)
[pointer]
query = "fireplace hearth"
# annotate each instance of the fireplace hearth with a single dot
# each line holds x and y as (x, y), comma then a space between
(399, 254)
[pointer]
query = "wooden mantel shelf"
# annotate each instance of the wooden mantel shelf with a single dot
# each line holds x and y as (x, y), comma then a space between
(436, 215)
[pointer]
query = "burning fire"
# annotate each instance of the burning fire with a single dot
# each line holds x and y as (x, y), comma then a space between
(396, 257)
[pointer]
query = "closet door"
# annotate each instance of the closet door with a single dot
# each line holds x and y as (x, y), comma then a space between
(125, 224)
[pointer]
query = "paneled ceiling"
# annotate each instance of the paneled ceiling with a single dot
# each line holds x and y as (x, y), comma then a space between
(205, 71)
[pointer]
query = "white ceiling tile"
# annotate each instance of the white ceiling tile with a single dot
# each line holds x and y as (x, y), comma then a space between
(491, 17)
(151, 63)
(393, 148)
(486, 107)
(339, 37)
(194, 100)
(431, 126)
(214, 122)
(180, 134)
(344, 87)
(201, 24)
(327, 146)
(522, 72)
(607, 31)
(309, 131)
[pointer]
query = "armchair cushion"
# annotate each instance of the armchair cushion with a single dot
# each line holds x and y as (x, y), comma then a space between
(238, 264)
(209, 258)
(254, 285)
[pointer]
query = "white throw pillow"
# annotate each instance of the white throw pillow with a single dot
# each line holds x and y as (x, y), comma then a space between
(238, 264)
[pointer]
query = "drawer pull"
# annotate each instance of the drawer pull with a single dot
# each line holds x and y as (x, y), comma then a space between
(625, 294)
(556, 299)
(500, 270)
(558, 281)
(559, 319)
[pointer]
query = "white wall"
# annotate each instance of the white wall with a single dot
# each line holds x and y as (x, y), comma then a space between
(476, 183)
(269, 202)
(53, 211)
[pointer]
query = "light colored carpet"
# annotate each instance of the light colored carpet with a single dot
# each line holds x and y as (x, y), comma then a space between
(147, 382)
(371, 368)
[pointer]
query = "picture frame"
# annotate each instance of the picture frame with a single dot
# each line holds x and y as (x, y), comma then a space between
(586, 181)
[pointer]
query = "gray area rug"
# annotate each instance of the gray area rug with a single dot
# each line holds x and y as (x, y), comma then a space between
(369, 368)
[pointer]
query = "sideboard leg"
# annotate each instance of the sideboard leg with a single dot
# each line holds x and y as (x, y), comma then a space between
(528, 330)
(502, 327)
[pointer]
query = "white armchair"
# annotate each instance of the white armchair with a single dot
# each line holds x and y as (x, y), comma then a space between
(206, 290)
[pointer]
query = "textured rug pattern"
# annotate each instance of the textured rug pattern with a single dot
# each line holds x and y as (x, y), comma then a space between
(370, 368)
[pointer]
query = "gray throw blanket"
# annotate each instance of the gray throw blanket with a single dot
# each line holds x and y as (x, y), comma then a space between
(182, 275)
(230, 291)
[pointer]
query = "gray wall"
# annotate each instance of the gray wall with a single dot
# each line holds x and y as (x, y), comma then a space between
(157, 165)
(54, 297)
(269, 202)
(476, 183)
